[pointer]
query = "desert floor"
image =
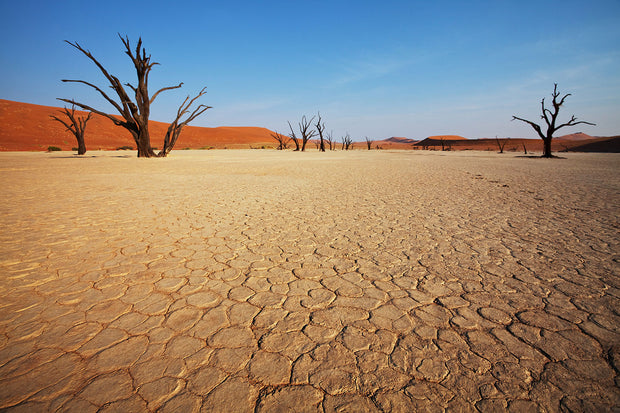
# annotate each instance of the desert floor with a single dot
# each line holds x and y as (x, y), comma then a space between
(361, 281)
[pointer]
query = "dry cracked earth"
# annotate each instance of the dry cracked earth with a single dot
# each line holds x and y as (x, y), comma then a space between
(259, 281)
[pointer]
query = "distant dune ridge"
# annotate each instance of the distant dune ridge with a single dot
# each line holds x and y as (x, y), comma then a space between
(28, 127)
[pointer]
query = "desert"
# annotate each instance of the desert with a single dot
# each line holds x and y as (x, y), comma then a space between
(263, 280)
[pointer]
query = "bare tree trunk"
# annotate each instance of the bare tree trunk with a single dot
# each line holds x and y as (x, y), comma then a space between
(500, 144)
(281, 139)
(306, 132)
(294, 137)
(368, 143)
(330, 140)
(76, 125)
(346, 142)
(143, 143)
(320, 127)
(547, 148)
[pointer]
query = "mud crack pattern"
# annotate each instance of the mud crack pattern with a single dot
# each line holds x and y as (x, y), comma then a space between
(357, 281)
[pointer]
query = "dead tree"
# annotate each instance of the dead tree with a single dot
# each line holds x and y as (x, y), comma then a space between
(306, 132)
(320, 127)
(368, 142)
(330, 140)
(76, 125)
(346, 142)
(294, 137)
(500, 144)
(282, 140)
(550, 119)
(174, 130)
(524, 148)
(135, 113)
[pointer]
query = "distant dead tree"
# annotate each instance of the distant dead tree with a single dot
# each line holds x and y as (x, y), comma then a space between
(320, 127)
(347, 142)
(550, 119)
(282, 140)
(306, 132)
(294, 137)
(500, 144)
(368, 142)
(135, 113)
(524, 148)
(76, 125)
(441, 141)
(330, 140)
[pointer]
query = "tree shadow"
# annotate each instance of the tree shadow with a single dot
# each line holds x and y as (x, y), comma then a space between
(540, 157)
(91, 156)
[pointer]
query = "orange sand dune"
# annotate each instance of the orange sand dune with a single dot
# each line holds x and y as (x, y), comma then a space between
(28, 127)
(579, 136)
(447, 138)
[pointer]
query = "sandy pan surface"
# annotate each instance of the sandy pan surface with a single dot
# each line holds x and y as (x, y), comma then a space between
(344, 281)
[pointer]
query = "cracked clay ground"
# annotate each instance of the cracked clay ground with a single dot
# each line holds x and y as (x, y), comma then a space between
(346, 281)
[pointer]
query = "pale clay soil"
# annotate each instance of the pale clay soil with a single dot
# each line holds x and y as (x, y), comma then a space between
(346, 281)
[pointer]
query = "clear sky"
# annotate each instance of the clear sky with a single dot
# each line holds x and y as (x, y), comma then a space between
(372, 68)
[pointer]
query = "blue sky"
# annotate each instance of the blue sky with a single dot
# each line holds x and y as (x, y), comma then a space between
(372, 68)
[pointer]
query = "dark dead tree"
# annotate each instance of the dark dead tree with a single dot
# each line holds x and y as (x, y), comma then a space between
(346, 142)
(294, 137)
(76, 125)
(282, 140)
(320, 127)
(550, 119)
(330, 140)
(135, 113)
(306, 132)
(500, 144)
(174, 129)
(524, 148)
(368, 142)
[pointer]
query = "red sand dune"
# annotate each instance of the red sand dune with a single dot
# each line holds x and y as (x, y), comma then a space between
(579, 136)
(609, 144)
(447, 138)
(395, 139)
(392, 143)
(28, 127)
